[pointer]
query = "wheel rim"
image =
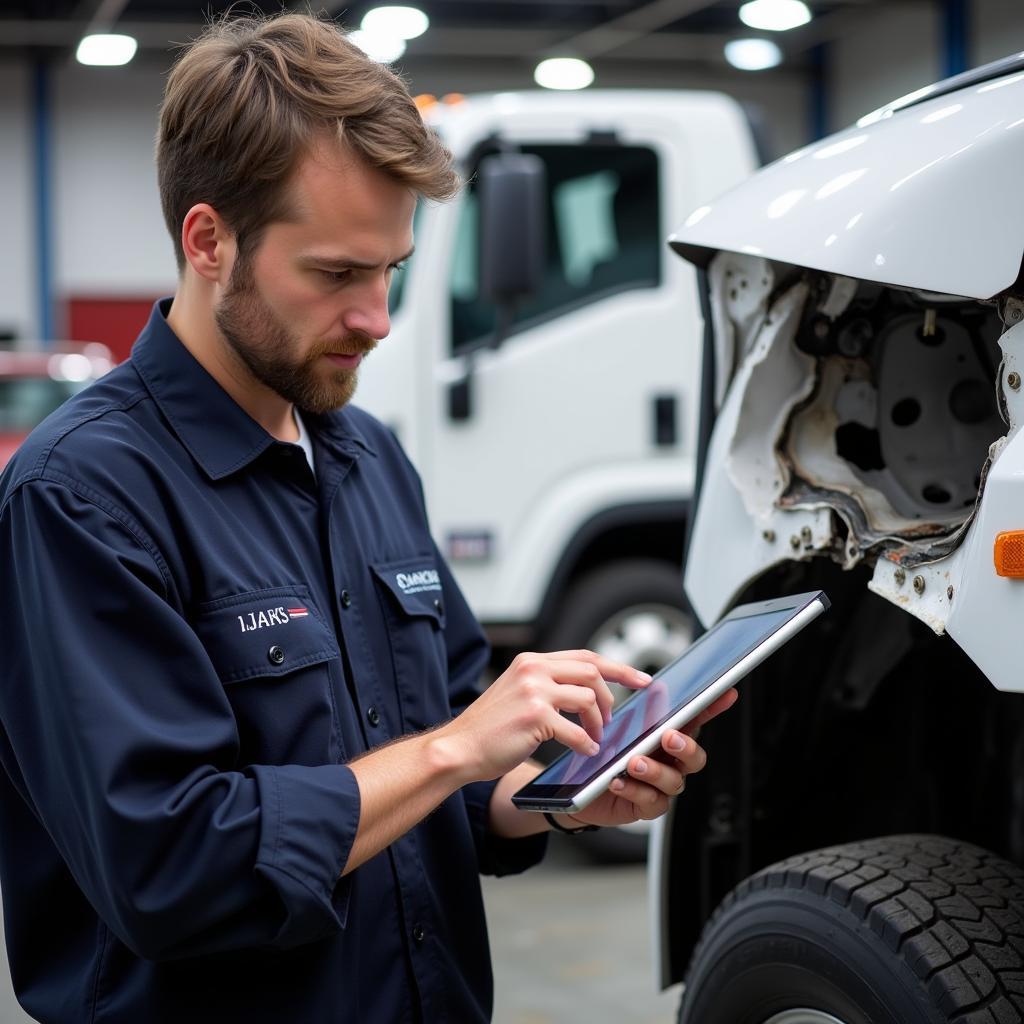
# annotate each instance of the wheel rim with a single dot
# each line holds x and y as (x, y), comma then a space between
(803, 1016)
(646, 636)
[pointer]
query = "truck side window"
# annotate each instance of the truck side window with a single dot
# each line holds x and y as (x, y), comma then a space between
(604, 237)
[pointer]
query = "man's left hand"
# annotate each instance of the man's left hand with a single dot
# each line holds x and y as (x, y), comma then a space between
(653, 779)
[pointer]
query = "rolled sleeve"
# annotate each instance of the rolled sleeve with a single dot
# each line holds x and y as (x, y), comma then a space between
(309, 820)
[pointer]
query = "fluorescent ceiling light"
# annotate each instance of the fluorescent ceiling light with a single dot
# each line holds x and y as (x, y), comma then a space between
(404, 22)
(563, 73)
(379, 47)
(775, 15)
(106, 50)
(752, 54)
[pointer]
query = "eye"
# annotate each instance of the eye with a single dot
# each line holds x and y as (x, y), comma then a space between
(335, 276)
(398, 266)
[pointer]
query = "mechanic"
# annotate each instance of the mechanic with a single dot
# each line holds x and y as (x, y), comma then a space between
(248, 772)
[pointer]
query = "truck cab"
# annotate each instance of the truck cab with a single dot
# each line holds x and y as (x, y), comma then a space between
(554, 426)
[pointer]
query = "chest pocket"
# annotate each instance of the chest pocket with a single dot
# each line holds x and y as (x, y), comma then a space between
(413, 602)
(273, 654)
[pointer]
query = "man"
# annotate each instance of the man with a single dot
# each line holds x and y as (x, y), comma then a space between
(248, 775)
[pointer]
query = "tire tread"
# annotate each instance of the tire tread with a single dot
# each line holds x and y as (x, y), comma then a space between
(951, 910)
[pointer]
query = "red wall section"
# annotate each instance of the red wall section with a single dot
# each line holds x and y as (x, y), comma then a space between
(115, 322)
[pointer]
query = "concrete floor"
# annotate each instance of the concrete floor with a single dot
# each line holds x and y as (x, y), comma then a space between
(10, 1011)
(570, 941)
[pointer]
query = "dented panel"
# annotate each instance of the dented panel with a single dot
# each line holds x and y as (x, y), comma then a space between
(866, 425)
(779, 377)
(740, 529)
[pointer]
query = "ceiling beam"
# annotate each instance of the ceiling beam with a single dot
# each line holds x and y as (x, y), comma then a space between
(531, 44)
(523, 44)
(98, 15)
(632, 25)
(631, 37)
(150, 35)
(828, 27)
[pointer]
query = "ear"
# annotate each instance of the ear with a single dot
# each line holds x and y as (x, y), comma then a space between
(208, 245)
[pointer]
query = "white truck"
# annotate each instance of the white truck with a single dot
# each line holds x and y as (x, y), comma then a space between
(543, 361)
(853, 853)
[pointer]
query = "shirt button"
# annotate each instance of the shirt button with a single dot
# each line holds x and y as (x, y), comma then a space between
(418, 933)
(439, 608)
(276, 655)
(373, 716)
(346, 599)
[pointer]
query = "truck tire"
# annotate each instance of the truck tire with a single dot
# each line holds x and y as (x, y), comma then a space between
(911, 929)
(632, 610)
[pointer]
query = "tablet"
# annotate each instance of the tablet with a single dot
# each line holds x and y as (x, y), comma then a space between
(676, 695)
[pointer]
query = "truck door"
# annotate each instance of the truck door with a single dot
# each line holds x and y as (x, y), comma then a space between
(565, 401)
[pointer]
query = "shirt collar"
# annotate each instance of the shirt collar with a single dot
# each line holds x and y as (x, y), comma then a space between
(220, 435)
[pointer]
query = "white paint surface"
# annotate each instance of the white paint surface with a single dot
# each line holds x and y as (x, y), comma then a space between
(927, 198)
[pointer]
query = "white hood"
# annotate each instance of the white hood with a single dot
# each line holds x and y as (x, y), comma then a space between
(930, 196)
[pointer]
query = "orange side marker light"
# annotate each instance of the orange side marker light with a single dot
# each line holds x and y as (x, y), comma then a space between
(1009, 554)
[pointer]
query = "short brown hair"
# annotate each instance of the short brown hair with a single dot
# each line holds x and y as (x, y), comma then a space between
(250, 96)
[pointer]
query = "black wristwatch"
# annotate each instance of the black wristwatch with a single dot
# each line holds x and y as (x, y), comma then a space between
(569, 831)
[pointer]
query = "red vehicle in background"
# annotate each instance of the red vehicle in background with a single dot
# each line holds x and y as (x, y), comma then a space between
(34, 382)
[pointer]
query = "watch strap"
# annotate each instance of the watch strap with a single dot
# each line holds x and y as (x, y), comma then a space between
(558, 827)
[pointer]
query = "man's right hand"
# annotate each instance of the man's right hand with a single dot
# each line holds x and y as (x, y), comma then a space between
(401, 783)
(522, 708)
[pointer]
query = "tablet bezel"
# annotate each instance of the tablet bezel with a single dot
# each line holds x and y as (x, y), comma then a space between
(573, 797)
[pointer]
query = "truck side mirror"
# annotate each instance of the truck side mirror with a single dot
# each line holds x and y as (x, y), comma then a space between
(513, 243)
(512, 249)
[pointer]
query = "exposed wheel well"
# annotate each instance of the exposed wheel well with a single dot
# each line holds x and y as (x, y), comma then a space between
(865, 724)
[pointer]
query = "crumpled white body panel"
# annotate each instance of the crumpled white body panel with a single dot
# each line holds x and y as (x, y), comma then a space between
(927, 198)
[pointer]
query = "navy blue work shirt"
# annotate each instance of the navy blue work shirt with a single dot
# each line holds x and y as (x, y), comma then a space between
(198, 635)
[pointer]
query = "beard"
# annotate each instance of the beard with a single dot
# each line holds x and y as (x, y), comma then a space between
(264, 344)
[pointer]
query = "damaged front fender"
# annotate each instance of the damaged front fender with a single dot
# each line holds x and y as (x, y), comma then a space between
(862, 425)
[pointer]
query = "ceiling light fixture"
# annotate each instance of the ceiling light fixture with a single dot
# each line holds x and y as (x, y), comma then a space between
(775, 15)
(752, 54)
(403, 22)
(379, 47)
(563, 73)
(106, 50)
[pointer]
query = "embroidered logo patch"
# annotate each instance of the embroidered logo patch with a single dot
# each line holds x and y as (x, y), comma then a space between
(417, 582)
(270, 617)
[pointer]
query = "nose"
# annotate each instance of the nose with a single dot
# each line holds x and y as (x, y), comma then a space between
(368, 312)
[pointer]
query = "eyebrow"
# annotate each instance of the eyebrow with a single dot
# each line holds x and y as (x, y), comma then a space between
(345, 263)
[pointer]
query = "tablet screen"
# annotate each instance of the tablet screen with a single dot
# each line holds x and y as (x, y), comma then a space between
(675, 685)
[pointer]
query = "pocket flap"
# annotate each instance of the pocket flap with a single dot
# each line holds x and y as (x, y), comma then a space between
(415, 584)
(264, 633)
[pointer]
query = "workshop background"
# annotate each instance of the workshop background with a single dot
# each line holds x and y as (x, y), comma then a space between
(85, 244)
(86, 252)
